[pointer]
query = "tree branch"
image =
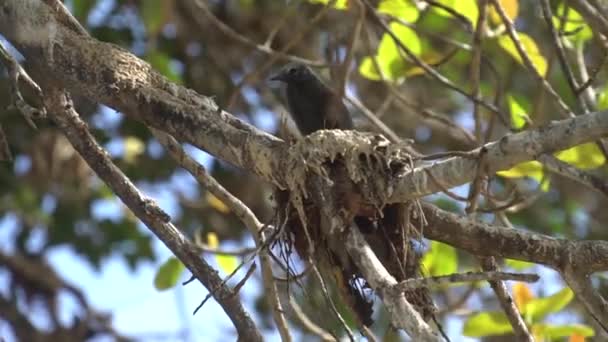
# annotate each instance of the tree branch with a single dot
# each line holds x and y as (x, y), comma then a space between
(147, 211)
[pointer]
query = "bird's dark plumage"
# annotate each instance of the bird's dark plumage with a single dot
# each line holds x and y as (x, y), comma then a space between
(312, 104)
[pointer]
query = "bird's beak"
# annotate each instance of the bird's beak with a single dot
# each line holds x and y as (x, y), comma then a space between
(278, 77)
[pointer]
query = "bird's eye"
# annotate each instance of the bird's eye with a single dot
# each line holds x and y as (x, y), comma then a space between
(292, 71)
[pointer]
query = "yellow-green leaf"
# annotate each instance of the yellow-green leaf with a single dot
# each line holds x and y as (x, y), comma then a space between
(532, 169)
(538, 308)
(168, 274)
(574, 26)
(216, 203)
(154, 14)
(585, 156)
(518, 108)
(162, 63)
(518, 265)
(487, 324)
(133, 147)
(602, 99)
(529, 45)
(552, 331)
(402, 9)
(339, 4)
(522, 295)
(389, 59)
(212, 240)
(227, 263)
(466, 8)
(441, 259)
(511, 8)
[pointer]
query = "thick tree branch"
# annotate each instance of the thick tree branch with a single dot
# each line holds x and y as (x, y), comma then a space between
(575, 260)
(403, 315)
(502, 154)
(587, 256)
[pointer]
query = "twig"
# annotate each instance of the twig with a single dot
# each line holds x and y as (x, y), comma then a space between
(580, 283)
(16, 73)
(202, 8)
(415, 283)
(583, 177)
(476, 64)
(5, 150)
(520, 328)
(427, 68)
(273, 58)
(461, 18)
(245, 215)
(235, 289)
(527, 61)
(354, 38)
(561, 55)
(309, 325)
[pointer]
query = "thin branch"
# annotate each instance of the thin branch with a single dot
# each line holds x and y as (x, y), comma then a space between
(434, 74)
(464, 21)
(583, 177)
(273, 58)
(354, 38)
(243, 212)
(16, 73)
(594, 302)
(146, 210)
(527, 61)
(415, 283)
(476, 64)
(561, 54)
(507, 303)
(201, 12)
(592, 16)
(309, 325)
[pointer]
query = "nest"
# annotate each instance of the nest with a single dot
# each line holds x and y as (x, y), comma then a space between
(340, 180)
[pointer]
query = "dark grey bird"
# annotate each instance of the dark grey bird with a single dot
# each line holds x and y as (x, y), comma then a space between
(312, 104)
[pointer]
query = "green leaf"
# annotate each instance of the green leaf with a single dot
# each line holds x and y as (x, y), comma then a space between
(162, 63)
(602, 99)
(585, 156)
(390, 61)
(551, 331)
(339, 4)
(466, 8)
(154, 15)
(519, 109)
(168, 274)
(529, 45)
(538, 308)
(81, 9)
(441, 259)
(575, 27)
(487, 324)
(402, 9)
(518, 265)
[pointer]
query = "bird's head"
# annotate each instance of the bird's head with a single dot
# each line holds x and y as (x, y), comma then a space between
(293, 73)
